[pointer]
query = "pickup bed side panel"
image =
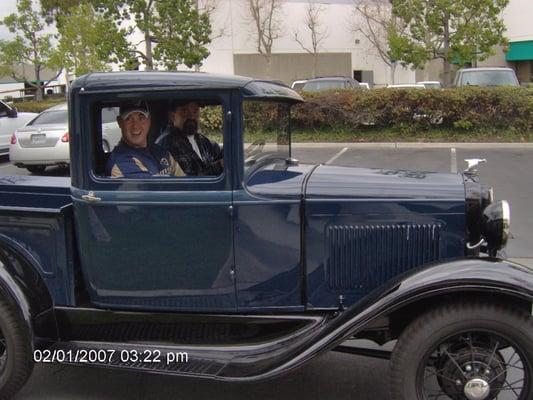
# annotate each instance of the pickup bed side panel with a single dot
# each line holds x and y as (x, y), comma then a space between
(45, 240)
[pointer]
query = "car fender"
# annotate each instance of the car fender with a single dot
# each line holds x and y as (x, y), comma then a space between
(462, 276)
(22, 285)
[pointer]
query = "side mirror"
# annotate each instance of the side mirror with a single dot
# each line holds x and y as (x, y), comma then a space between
(12, 112)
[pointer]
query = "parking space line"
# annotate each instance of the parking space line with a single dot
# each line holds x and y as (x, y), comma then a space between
(6, 166)
(453, 160)
(340, 153)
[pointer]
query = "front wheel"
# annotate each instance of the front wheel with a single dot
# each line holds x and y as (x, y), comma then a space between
(16, 362)
(465, 351)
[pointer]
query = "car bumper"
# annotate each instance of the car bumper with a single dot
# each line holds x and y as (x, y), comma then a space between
(22, 156)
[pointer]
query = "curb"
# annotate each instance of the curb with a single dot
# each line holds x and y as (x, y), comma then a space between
(413, 145)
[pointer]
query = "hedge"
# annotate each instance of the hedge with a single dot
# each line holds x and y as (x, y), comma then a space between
(466, 109)
(469, 109)
(38, 106)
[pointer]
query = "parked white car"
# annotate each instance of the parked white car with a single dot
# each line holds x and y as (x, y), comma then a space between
(45, 140)
(406, 86)
(431, 84)
(298, 85)
(10, 121)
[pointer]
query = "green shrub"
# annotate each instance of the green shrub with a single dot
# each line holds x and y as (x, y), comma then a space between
(211, 119)
(38, 106)
(411, 110)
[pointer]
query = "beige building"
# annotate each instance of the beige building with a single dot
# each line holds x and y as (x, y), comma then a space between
(341, 52)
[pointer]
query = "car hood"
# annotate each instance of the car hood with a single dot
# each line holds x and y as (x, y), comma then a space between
(332, 182)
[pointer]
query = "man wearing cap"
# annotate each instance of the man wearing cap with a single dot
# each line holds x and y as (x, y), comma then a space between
(133, 157)
(195, 153)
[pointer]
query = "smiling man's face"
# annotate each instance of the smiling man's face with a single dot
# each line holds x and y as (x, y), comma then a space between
(135, 129)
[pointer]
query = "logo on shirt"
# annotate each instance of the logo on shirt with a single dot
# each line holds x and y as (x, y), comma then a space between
(165, 162)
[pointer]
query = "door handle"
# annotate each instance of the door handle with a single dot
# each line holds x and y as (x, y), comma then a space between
(90, 197)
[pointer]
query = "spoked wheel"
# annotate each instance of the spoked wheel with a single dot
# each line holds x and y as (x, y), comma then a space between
(466, 351)
(16, 362)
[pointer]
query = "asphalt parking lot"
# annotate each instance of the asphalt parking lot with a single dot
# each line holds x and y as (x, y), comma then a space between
(333, 375)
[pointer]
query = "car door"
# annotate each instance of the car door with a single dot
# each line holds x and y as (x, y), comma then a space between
(160, 243)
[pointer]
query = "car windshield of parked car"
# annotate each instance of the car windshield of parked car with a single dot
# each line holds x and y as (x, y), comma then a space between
(489, 78)
(51, 117)
(266, 132)
(323, 85)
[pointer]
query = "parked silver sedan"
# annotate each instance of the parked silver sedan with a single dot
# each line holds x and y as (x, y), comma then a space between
(45, 140)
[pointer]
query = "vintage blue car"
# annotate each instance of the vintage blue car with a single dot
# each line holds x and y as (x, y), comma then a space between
(251, 272)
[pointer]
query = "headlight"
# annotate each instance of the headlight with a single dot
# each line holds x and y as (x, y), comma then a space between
(495, 223)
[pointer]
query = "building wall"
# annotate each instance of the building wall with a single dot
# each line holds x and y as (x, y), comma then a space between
(289, 67)
(235, 51)
(11, 89)
(518, 17)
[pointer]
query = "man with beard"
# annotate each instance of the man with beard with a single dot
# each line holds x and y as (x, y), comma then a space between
(194, 152)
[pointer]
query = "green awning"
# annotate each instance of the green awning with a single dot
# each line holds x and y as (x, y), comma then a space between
(520, 51)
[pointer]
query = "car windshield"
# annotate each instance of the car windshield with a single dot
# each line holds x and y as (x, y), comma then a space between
(489, 78)
(266, 131)
(51, 117)
(323, 85)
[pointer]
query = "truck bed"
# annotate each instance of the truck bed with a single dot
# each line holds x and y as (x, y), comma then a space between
(36, 220)
(34, 192)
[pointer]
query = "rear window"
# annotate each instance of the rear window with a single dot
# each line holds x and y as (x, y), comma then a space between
(51, 117)
(324, 85)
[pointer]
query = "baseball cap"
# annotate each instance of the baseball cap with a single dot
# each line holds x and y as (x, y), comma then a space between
(129, 107)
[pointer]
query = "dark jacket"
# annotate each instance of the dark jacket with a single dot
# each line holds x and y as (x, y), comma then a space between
(180, 147)
(152, 161)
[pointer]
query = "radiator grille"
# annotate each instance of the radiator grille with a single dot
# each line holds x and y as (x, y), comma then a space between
(365, 256)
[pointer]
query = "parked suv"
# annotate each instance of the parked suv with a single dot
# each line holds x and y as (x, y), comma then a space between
(329, 83)
(486, 77)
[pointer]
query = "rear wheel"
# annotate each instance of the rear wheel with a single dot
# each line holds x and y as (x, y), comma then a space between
(16, 362)
(36, 169)
(465, 351)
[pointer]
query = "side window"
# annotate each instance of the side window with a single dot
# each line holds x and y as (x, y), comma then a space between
(154, 138)
(110, 130)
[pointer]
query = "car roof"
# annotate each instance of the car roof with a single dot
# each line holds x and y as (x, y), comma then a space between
(487, 69)
(407, 85)
(161, 80)
(329, 78)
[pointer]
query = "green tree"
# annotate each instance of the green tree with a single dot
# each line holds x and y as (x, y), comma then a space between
(31, 46)
(456, 31)
(179, 28)
(182, 32)
(88, 41)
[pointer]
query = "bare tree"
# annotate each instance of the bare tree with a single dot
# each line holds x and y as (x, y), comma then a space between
(374, 20)
(318, 35)
(265, 15)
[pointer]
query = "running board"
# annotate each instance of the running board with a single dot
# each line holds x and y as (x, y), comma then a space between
(146, 358)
